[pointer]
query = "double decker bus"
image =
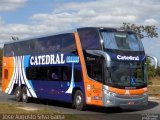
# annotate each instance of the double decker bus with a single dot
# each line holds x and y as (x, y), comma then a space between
(87, 66)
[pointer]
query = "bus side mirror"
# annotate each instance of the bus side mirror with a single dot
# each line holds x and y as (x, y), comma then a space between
(101, 53)
(155, 61)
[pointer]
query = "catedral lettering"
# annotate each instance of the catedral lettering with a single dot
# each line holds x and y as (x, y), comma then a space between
(119, 57)
(86, 66)
(53, 59)
(47, 59)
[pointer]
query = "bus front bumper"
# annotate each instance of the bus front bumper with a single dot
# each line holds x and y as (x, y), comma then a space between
(112, 99)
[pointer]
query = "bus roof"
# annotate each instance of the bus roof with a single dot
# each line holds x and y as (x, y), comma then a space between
(68, 31)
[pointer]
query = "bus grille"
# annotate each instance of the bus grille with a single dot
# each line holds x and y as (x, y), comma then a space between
(130, 96)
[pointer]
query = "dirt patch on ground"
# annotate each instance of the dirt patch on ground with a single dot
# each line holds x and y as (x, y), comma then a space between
(28, 108)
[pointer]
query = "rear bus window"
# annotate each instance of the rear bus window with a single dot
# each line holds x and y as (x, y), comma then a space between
(5, 74)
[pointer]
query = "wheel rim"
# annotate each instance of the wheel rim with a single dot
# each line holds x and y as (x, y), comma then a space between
(78, 100)
(17, 93)
(24, 96)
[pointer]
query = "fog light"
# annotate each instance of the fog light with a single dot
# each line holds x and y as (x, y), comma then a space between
(108, 101)
(109, 93)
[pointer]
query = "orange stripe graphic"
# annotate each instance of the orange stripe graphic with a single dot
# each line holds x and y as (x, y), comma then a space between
(95, 90)
(131, 92)
(7, 64)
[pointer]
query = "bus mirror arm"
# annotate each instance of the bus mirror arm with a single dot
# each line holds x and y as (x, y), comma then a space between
(101, 53)
(155, 60)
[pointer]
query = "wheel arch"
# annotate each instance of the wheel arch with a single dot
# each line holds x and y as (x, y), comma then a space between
(74, 91)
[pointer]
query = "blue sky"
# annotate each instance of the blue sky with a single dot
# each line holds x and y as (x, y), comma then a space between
(27, 18)
(23, 13)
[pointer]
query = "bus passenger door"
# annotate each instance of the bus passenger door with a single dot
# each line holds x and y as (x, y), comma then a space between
(95, 72)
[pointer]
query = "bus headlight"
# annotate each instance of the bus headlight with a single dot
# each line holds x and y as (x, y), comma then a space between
(109, 93)
(113, 94)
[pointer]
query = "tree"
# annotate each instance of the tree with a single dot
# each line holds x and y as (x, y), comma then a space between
(14, 38)
(158, 71)
(1, 54)
(142, 30)
(150, 69)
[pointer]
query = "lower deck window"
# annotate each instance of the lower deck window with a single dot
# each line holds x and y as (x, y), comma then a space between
(53, 73)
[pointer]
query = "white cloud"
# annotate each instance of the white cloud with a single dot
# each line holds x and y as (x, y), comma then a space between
(101, 13)
(86, 12)
(10, 5)
(76, 14)
(151, 22)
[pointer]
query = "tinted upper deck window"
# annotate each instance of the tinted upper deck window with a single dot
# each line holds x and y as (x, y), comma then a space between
(89, 38)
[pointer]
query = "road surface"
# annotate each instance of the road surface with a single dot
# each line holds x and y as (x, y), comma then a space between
(152, 111)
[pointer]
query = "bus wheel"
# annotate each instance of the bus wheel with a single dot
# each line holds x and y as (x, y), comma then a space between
(79, 102)
(25, 97)
(18, 94)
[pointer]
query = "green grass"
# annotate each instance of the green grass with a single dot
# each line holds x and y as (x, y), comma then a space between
(155, 80)
(154, 87)
(154, 91)
(13, 108)
(10, 108)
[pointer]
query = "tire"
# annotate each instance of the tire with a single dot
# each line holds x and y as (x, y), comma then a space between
(25, 97)
(18, 94)
(79, 102)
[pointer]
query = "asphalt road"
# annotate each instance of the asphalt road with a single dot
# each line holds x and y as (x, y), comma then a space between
(152, 111)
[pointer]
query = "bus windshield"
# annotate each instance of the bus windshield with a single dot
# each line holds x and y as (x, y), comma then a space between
(121, 41)
(127, 74)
